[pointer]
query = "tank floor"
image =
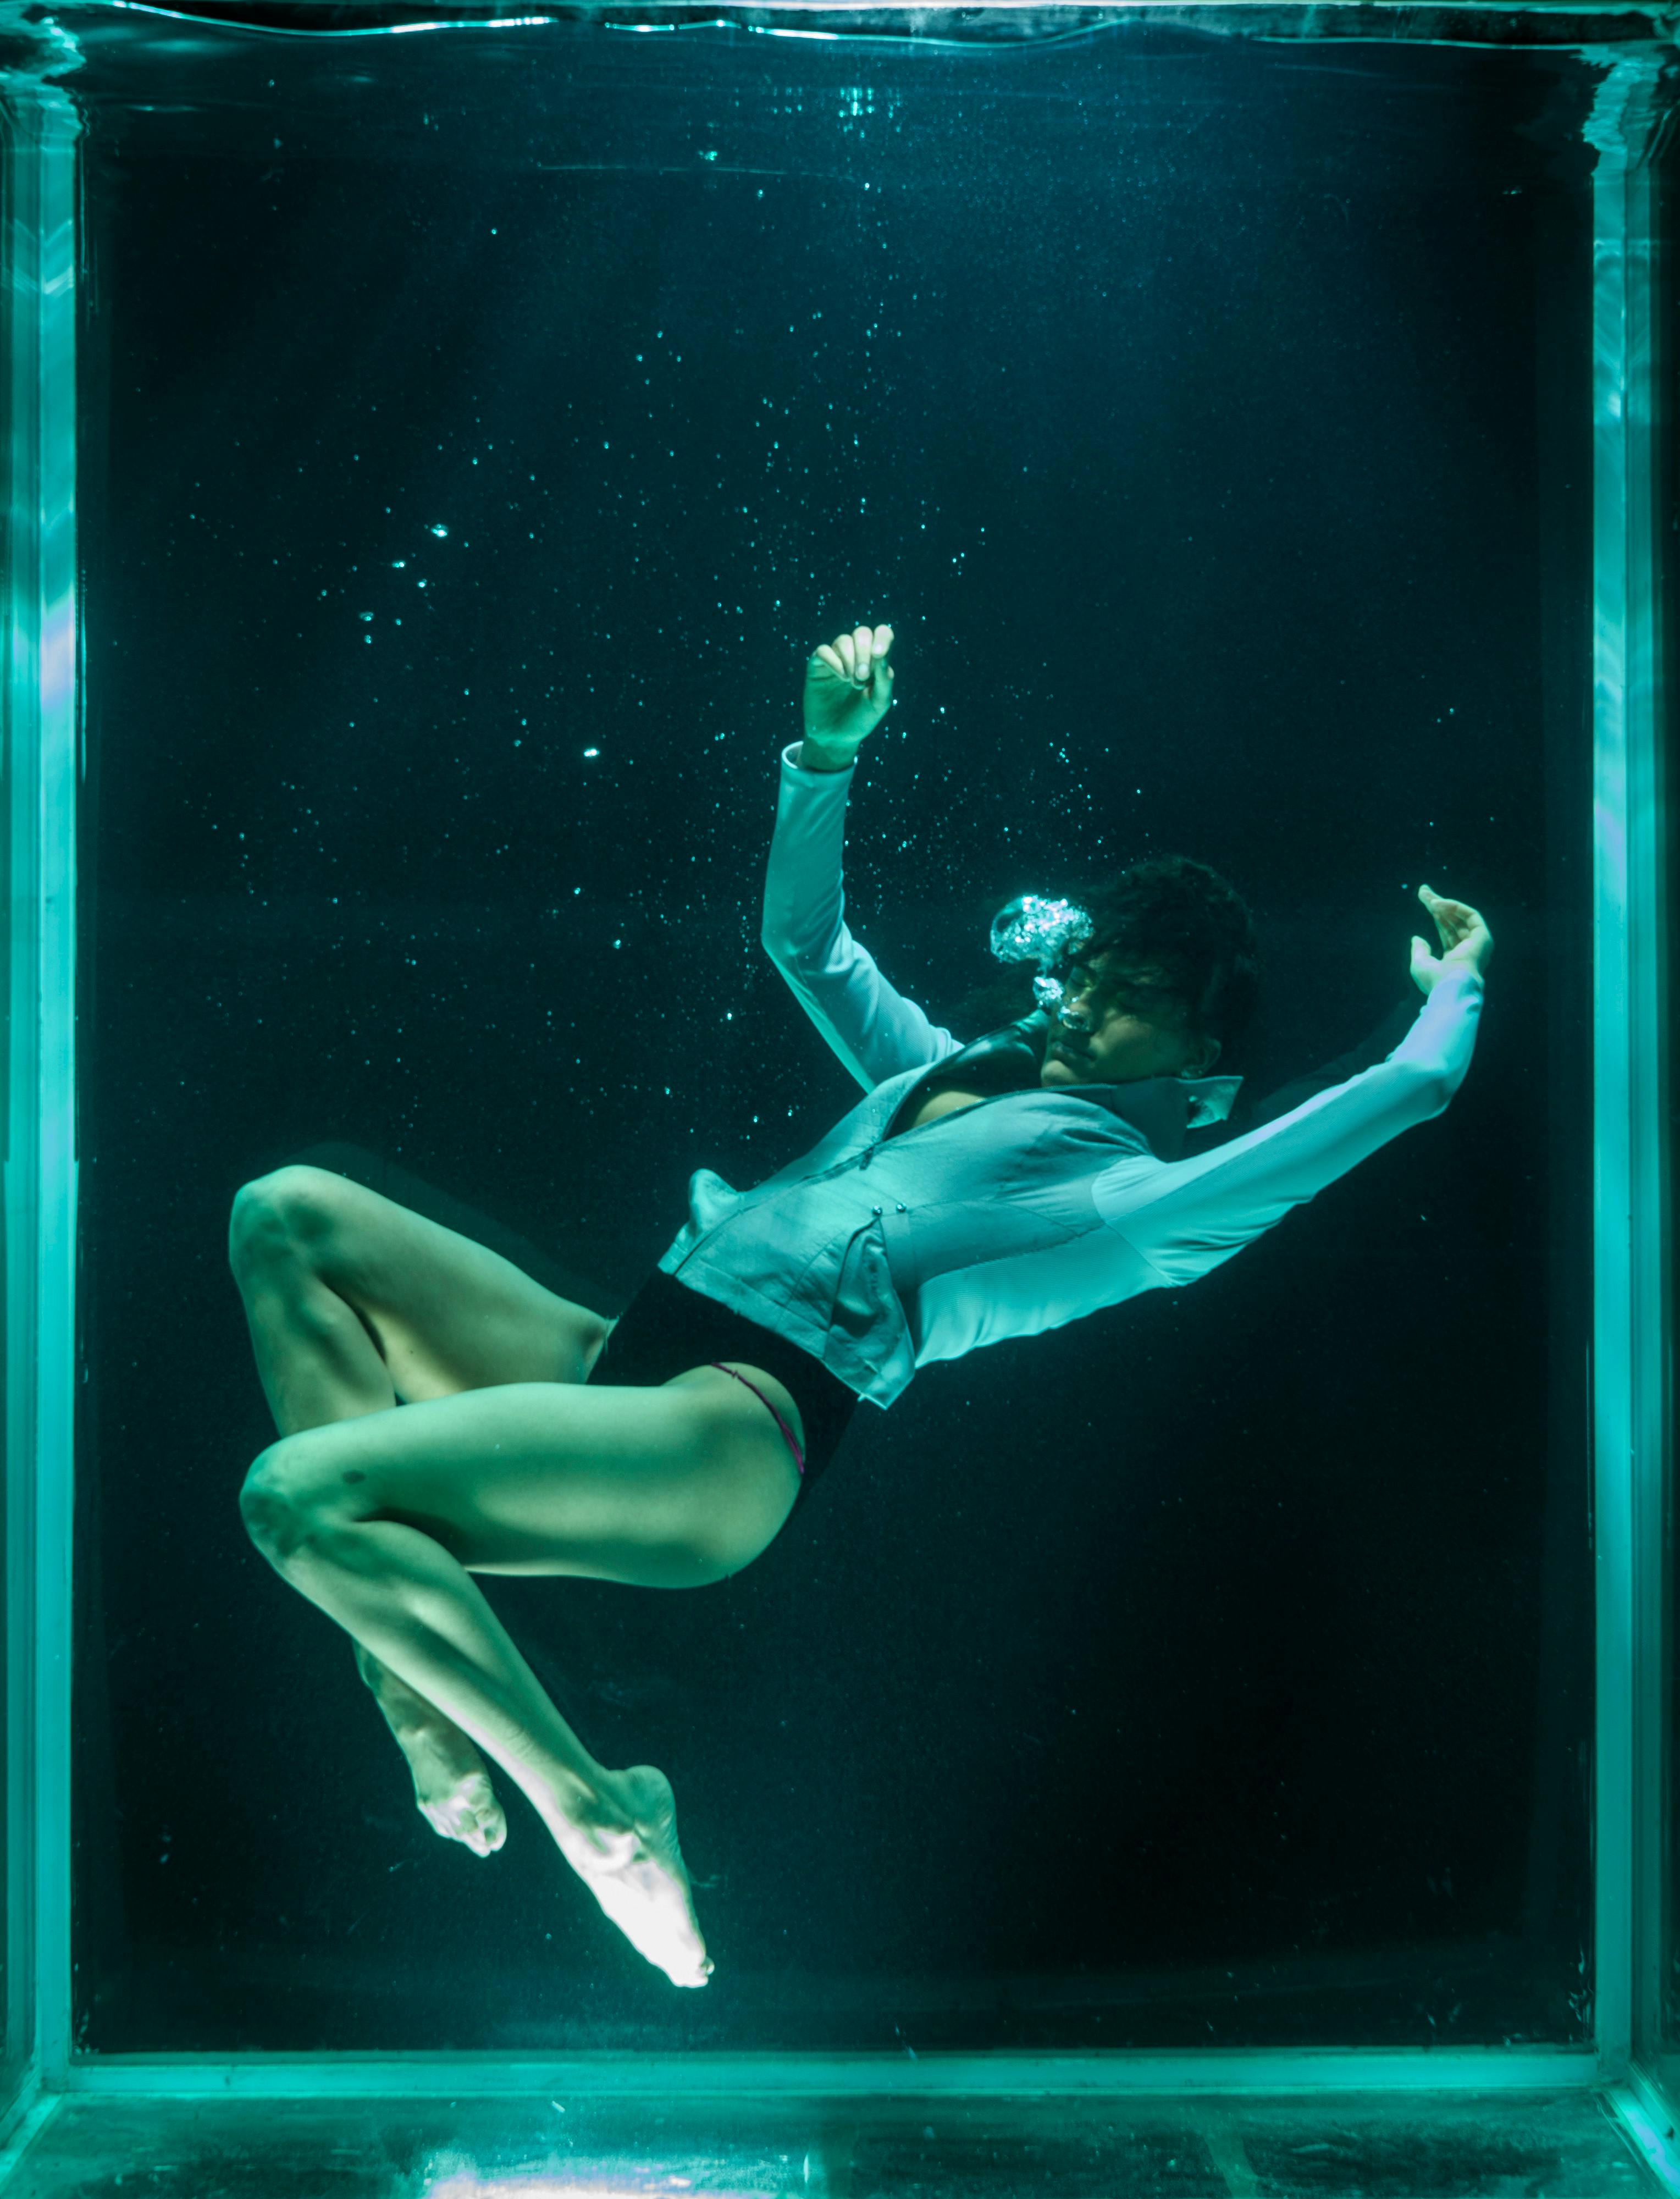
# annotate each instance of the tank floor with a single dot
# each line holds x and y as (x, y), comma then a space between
(1563, 2145)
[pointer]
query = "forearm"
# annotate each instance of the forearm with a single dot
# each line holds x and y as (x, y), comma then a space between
(871, 1026)
(804, 902)
(1186, 1217)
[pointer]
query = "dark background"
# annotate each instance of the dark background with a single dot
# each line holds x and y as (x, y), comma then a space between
(1211, 420)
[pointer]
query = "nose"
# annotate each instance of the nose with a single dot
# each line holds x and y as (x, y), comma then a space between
(1072, 1010)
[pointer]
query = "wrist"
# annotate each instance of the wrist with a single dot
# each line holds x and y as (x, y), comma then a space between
(1467, 968)
(1446, 969)
(826, 756)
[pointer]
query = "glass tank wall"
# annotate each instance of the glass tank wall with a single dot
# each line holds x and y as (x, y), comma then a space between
(478, 431)
(1666, 1956)
(38, 593)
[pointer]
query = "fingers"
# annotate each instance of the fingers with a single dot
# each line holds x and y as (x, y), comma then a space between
(856, 655)
(857, 648)
(829, 657)
(1454, 920)
(1461, 927)
(1439, 905)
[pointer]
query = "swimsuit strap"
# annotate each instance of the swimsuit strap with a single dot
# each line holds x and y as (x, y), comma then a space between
(798, 1456)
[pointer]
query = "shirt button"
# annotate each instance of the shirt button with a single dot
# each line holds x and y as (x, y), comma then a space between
(874, 1210)
(902, 1208)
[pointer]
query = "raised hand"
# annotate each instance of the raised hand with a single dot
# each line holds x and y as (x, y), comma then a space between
(1466, 941)
(848, 691)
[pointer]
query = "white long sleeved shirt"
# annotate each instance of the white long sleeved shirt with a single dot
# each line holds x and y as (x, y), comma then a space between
(882, 1249)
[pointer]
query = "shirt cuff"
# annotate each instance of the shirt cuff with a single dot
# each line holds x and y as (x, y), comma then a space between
(1460, 977)
(792, 769)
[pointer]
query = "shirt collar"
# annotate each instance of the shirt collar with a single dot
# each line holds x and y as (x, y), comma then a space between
(1211, 1099)
(1164, 1108)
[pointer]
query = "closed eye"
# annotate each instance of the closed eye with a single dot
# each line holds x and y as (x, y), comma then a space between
(1080, 980)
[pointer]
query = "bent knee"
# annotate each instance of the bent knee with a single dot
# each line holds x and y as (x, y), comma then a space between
(268, 1512)
(291, 1212)
(282, 1505)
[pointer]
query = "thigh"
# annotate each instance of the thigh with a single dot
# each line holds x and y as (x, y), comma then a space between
(446, 1312)
(662, 1488)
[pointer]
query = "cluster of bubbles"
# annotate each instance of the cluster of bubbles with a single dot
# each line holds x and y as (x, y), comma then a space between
(1032, 929)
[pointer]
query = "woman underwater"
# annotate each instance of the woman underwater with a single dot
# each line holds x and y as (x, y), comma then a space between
(667, 1450)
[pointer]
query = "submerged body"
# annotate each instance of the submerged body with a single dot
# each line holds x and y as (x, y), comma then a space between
(975, 1193)
(894, 1243)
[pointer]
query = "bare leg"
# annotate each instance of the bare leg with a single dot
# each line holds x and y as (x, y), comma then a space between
(451, 1783)
(376, 1520)
(353, 1301)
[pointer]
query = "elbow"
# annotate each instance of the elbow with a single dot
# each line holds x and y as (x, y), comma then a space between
(772, 928)
(1433, 1085)
(787, 941)
(774, 939)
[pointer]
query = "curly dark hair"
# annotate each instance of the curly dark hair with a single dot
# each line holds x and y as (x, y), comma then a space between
(1186, 934)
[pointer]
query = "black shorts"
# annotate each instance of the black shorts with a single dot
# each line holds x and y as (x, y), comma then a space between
(666, 1329)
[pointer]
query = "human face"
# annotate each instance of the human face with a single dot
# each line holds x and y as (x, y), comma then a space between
(1114, 1025)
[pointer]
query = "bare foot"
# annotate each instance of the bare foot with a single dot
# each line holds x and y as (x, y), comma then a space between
(639, 1877)
(452, 1786)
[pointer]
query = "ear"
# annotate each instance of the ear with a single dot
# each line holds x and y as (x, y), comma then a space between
(1201, 1063)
